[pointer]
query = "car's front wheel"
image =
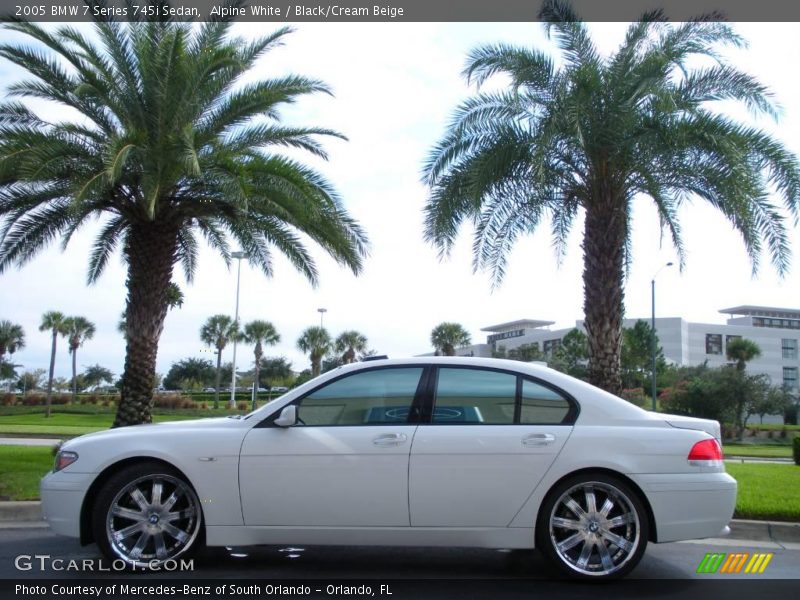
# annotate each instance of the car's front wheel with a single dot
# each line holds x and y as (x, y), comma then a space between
(146, 515)
(593, 526)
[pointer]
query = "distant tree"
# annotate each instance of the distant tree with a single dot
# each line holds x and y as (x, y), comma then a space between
(12, 338)
(260, 333)
(217, 332)
(572, 355)
(95, 375)
(275, 370)
(54, 322)
(198, 369)
(774, 401)
(446, 337)
(77, 330)
(636, 355)
(316, 342)
(304, 376)
(348, 343)
(31, 380)
(526, 353)
(741, 351)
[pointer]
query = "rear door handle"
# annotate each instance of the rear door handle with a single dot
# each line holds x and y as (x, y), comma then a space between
(390, 439)
(538, 439)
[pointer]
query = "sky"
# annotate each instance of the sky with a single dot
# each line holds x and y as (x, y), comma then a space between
(395, 86)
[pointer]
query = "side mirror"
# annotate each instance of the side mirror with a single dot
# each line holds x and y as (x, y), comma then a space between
(288, 416)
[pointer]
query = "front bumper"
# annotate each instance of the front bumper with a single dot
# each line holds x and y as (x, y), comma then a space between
(62, 498)
(690, 506)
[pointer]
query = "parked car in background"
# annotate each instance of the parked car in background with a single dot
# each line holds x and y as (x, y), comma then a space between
(428, 451)
(278, 389)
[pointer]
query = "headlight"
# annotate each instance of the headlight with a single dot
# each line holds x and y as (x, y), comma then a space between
(64, 458)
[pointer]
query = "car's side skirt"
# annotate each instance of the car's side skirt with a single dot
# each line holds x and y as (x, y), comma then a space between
(475, 537)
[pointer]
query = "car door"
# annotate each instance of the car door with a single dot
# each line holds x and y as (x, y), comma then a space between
(492, 436)
(345, 464)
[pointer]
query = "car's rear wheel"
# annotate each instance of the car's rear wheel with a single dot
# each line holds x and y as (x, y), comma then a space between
(593, 526)
(147, 514)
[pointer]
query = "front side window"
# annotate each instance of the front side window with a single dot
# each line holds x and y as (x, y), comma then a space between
(382, 396)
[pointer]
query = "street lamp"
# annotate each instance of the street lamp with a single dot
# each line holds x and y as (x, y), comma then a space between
(238, 256)
(653, 329)
(321, 312)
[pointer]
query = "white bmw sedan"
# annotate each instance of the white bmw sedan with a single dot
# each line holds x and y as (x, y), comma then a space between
(415, 452)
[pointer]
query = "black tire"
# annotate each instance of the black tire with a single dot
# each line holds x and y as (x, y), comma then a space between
(584, 546)
(151, 505)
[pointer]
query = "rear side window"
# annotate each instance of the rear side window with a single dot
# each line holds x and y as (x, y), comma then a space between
(482, 396)
(541, 405)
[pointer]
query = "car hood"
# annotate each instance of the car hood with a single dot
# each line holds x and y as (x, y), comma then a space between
(164, 428)
(709, 426)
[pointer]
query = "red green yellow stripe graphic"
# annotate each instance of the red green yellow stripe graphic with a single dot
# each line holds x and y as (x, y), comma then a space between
(734, 563)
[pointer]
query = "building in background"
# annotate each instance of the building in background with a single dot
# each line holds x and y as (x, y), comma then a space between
(775, 330)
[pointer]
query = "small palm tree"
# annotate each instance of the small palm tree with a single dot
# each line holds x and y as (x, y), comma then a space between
(349, 343)
(446, 337)
(742, 351)
(12, 338)
(581, 138)
(54, 322)
(176, 138)
(217, 332)
(316, 342)
(260, 333)
(77, 330)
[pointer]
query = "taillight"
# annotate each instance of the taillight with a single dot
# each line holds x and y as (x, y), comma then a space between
(707, 453)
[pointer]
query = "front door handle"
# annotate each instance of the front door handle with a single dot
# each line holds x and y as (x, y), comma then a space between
(390, 439)
(538, 439)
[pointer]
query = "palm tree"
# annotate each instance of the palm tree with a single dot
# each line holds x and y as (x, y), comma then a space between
(589, 134)
(177, 139)
(52, 321)
(12, 338)
(316, 342)
(174, 299)
(260, 333)
(741, 351)
(348, 343)
(217, 332)
(446, 337)
(77, 330)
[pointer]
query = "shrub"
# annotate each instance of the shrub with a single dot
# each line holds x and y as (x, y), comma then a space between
(796, 449)
(8, 399)
(242, 406)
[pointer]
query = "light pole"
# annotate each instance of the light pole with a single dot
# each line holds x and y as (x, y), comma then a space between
(238, 256)
(321, 312)
(653, 330)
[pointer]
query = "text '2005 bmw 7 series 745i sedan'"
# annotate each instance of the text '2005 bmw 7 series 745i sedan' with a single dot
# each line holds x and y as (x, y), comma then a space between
(415, 452)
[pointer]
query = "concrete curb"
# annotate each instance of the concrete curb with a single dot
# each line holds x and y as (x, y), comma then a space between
(27, 514)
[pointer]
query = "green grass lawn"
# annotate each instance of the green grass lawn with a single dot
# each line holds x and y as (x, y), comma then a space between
(758, 450)
(69, 424)
(21, 468)
(767, 491)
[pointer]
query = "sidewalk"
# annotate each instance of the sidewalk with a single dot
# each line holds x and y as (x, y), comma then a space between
(29, 441)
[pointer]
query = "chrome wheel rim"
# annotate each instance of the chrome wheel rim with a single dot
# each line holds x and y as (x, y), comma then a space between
(153, 519)
(594, 529)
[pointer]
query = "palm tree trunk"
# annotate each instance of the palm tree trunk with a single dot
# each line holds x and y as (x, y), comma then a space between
(151, 251)
(603, 273)
(50, 377)
(219, 373)
(258, 373)
(316, 366)
(74, 374)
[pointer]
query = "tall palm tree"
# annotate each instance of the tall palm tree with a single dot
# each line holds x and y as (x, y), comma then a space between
(177, 139)
(12, 338)
(348, 343)
(260, 333)
(446, 337)
(174, 299)
(54, 322)
(588, 135)
(742, 351)
(217, 331)
(316, 342)
(77, 330)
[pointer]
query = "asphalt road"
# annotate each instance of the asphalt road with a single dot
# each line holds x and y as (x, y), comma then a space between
(661, 561)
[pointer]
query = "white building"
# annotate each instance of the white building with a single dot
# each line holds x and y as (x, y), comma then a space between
(775, 330)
